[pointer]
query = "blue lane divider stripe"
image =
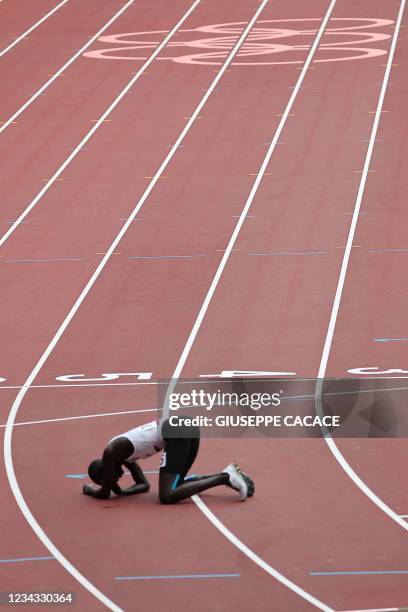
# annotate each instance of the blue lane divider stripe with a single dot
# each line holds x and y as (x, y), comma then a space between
(390, 339)
(291, 253)
(387, 251)
(126, 474)
(359, 573)
(20, 559)
(177, 577)
(166, 256)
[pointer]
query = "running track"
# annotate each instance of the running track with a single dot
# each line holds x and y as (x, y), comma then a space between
(269, 311)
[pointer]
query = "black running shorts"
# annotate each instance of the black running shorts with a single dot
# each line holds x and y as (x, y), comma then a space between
(179, 453)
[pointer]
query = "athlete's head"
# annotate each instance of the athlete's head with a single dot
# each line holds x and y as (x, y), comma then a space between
(95, 471)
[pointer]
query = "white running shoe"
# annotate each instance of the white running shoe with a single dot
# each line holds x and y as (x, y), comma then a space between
(236, 480)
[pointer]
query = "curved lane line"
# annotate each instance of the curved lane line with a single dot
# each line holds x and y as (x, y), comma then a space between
(340, 285)
(254, 557)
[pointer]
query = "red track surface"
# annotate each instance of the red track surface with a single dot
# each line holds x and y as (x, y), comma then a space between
(269, 312)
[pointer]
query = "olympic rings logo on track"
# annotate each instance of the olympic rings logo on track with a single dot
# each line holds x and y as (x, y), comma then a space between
(271, 42)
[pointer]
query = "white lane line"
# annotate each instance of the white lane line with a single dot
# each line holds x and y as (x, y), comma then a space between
(121, 412)
(197, 324)
(336, 303)
(98, 123)
(254, 557)
(64, 67)
(80, 417)
(94, 385)
(185, 381)
(8, 433)
(244, 213)
(33, 27)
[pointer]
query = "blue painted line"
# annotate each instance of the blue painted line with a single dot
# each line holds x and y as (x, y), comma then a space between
(126, 474)
(390, 339)
(292, 253)
(21, 559)
(165, 256)
(44, 260)
(177, 577)
(360, 573)
(388, 251)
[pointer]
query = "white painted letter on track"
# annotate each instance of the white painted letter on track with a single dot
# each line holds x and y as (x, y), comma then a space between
(104, 377)
(375, 371)
(245, 374)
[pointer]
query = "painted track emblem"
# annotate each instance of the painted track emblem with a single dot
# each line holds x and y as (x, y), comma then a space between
(271, 42)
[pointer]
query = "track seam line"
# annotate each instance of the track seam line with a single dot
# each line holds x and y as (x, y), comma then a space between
(64, 67)
(197, 324)
(339, 290)
(32, 28)
(8, 458)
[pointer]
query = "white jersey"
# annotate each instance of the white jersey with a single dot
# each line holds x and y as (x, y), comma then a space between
(146, 440)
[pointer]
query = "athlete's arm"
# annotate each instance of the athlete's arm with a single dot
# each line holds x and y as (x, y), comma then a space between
(116, 489)
(141, 483)
(136, 472)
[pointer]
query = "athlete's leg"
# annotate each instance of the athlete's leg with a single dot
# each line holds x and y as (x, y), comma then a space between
(170, 493)
(178, 458)
(192, 454)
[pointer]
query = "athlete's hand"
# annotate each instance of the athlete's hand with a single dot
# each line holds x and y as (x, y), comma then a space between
(87, 489)
(98, 493)
(116, 489)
